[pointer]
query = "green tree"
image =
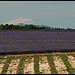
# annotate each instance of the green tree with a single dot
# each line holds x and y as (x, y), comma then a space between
(68, 28)
(42, 27)
(14, 28)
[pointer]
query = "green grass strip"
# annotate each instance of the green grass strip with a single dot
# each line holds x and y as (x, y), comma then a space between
(36, 64)
(6, 65)
(67, 64)
(51, 63)
(21, 67)
(73, 55)
(3, 57)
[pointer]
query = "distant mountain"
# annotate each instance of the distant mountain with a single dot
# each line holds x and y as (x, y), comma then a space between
(49, 27)
(23, 21)
(44, 26)
(21, 24)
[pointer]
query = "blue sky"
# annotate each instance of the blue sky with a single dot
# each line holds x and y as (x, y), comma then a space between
(51, 13)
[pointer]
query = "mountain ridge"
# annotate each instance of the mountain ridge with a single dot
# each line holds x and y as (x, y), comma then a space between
(23, 21)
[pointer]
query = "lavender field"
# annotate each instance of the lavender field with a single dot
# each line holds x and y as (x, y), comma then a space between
(18, 41)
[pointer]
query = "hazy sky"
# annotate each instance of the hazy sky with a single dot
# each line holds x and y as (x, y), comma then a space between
(51, 13)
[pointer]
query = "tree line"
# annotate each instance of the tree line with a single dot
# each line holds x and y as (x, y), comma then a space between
(18, 27)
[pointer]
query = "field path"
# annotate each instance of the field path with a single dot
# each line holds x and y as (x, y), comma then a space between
(44, 67)
(59, 65)
(71, 60)
(29, 66)
(13, 66)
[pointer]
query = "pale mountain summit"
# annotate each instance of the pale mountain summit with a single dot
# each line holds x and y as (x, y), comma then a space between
(22, 21)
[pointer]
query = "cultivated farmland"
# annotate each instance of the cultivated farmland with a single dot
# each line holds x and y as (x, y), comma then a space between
(37, 52)
(45, 63)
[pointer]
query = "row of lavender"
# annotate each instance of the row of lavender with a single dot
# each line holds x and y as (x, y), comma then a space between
(50, 30)
(27, 41)
(36, 35)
